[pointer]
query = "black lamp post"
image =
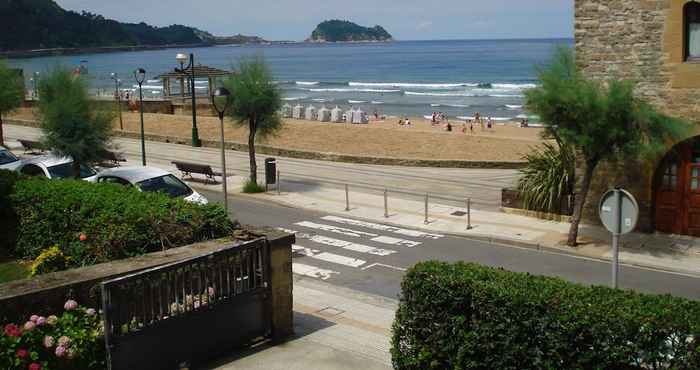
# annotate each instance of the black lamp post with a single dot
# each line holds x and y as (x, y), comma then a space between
(35, 80)
(189, 70)
(222, 94)
(140, 76)
(118, 96)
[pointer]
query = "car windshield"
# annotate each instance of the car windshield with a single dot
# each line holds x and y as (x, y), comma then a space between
(63, 171)
(168, 184)
(7, 157)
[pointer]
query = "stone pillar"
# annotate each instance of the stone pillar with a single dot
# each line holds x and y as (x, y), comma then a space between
(281, 301)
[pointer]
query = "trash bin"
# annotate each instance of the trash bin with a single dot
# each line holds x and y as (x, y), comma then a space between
(270, 171)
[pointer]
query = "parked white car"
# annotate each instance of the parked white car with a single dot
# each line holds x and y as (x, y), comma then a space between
(55, 167)
(8, 161)
(151, 179)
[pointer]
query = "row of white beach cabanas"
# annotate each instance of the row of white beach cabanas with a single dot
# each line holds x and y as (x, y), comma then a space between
(324, 114)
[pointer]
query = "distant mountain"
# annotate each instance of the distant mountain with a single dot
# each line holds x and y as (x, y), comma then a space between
(43, 24)
(344, 31)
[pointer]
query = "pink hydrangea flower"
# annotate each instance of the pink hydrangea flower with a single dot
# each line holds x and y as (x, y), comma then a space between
(11, 330)
(64, 341)
(52, 320)
(49, 341)
(34, 318)
(70, 305)
(90, 312)
(22, 353)
(60, 351)
(34, 366)
(29, 326)
(41, 321)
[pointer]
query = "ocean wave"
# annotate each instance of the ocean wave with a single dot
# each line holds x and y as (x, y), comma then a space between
(434, 105)
(294, 98)
(149, 87)
(514, 86)
(355, 90)
(153, 81)
(321, 100)
(377, 102)
(498, 119)
(414, 85)
(462, 94)
(356, 102)
(305, 83)
(513, 106)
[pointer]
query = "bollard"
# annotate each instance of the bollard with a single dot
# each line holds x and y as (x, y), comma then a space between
(279, 183)
(426, 209)
(347, 198)
(386, 204)
(469, 213)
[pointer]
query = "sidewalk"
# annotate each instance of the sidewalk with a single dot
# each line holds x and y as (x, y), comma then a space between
(335, 329)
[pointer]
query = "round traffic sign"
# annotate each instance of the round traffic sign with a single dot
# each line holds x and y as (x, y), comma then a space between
(619, 211)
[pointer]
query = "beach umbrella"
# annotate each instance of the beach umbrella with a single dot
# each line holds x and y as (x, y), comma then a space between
(324, 114)
(336, 114)
(311, 113)
(298, 112)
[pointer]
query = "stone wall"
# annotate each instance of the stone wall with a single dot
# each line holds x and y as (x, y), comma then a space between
(47, 293)
(642, 41)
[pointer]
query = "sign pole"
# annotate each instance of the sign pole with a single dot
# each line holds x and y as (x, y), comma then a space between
(619, 212)
(616, 237)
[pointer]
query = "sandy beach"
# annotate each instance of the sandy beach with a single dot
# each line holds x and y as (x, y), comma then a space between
(378, 138)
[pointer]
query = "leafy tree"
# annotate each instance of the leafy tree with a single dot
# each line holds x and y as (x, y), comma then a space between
(255, 100)
(72, 126)
(11, 93)
(601, 121)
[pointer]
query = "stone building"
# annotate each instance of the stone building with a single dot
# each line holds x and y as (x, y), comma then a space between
(655, 43)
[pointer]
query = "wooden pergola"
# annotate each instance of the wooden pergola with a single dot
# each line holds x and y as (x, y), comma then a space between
(200, 71)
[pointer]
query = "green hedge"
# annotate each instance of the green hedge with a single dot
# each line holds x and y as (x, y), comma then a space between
(8, 219)
(465, 316)
(95, 223)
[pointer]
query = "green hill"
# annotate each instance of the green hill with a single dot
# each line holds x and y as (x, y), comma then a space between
(43, 24)
(343, 31)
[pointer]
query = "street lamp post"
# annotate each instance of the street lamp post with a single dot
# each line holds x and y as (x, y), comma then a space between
(222, 93)
(118, 96)
(189, 70)
(35, 80)
(140, 76)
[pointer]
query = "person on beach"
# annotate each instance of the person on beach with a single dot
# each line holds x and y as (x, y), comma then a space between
(448, 128)
(408, 122)
(464, 128)
(471, 127)
(400, 121)
(489, 123)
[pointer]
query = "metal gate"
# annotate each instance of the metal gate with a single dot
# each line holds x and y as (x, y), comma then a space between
(189, 311)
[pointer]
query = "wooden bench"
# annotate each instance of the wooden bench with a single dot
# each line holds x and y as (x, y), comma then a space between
(112, 157)
(188, 169)
(32, 146)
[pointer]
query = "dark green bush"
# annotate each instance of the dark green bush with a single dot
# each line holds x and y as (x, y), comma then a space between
(113, 221)
(465, 316)
(8, 220)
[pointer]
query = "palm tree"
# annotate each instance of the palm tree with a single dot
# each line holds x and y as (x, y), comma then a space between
(255, 100)
(71, 124)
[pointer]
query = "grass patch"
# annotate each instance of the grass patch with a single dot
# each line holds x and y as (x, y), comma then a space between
(252, 187)
(13, 270)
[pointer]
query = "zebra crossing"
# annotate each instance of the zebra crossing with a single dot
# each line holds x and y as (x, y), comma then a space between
(332, 245)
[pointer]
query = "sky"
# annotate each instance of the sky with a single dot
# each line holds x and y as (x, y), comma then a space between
(404, 19)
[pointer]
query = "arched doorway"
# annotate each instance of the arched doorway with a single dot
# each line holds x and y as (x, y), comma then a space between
(677, 190)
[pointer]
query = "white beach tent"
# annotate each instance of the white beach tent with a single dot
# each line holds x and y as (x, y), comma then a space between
(286, 111)
(298, 112)
(311, 113)
(324, 114)
(336, 114)
(359, 116)
(349, 115)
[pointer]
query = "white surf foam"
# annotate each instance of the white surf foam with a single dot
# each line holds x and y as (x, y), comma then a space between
(307, 83)
(413, 85)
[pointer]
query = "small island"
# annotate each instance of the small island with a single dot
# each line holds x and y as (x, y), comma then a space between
(344, 31)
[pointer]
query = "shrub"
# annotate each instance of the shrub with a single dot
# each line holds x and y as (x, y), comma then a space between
(548, 178)
(251, 187)
(72, 341)
(464, 316)
(8, 225)
(95, 223)
(50, 260)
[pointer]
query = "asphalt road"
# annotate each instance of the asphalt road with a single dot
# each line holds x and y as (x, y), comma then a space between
(372, 257)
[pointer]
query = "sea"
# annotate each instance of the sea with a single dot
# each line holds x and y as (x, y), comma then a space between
(404, 78)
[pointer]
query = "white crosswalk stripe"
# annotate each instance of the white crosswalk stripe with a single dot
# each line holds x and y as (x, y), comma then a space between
(373, 226)
(361, 248)
(395, 241)
(314, 272)
(334, 229)
(328, 257)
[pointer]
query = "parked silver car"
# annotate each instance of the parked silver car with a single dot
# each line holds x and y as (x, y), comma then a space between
(8, 161)
(151, 179)
(54, 167)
